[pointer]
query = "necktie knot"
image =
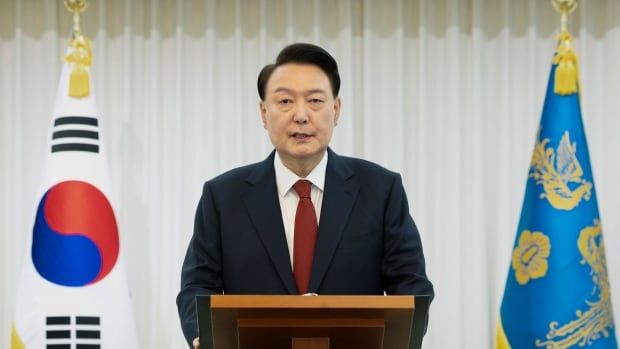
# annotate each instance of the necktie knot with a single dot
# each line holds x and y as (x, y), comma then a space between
(302, 187)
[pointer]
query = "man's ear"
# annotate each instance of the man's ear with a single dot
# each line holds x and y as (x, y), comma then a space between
(336, 111)
(263, 113)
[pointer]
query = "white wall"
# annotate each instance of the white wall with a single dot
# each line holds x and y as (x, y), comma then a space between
(447, 92)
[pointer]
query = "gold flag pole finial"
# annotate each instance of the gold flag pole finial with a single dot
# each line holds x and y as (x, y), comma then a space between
(564, 7)
(567, 73)
(80, 54)
(76, 7)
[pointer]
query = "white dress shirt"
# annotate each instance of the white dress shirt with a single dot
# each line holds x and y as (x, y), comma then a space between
(285, 179)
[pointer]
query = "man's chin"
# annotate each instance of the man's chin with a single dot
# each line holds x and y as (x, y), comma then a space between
(304, 153)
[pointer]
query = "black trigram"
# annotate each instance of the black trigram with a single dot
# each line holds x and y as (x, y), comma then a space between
(84, 331)
(75, 133)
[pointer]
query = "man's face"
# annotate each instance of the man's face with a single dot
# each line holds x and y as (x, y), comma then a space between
(299, 112)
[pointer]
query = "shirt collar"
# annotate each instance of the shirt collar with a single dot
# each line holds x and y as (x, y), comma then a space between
(285, 178)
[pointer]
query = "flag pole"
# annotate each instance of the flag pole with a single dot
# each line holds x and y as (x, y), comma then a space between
(76, 7)
(564, 7)
(80, 54)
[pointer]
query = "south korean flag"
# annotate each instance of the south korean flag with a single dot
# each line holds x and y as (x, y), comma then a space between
(73, 291)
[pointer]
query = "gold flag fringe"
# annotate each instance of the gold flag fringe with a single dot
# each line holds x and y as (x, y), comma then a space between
(16, 342)
(501, 341)
(567, 71)
(81, 58)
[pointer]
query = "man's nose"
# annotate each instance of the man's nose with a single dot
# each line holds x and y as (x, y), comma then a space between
(301, 113)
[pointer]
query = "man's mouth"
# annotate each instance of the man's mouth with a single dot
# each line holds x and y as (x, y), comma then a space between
(300, 135)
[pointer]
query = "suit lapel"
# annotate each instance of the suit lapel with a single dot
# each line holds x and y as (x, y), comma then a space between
(338, 199)
(263, 206)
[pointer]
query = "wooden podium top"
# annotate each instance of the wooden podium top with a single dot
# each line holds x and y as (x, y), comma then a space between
(311, 302)
(272, 321)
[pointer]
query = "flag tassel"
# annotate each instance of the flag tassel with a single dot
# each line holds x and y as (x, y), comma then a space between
(81, 57)
(567, 73)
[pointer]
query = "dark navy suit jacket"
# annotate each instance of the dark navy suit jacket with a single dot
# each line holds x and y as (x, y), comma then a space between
(367, 241)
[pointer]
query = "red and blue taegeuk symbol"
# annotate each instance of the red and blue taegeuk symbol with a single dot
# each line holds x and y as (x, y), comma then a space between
(75, 237)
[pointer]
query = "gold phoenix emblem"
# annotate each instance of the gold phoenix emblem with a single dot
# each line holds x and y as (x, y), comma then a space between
(598, 319)
(529, 259)
(556, 169)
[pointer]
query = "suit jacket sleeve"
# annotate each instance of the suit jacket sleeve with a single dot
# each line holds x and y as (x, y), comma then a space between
(202, 268)
(403, 269)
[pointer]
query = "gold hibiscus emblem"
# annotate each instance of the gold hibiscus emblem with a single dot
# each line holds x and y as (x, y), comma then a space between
(529, 259)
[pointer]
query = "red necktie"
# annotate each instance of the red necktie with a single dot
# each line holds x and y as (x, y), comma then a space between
(305, 236)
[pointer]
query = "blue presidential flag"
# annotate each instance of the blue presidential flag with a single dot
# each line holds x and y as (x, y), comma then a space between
(557, 293)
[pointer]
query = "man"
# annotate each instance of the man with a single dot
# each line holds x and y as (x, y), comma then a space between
(305, 220)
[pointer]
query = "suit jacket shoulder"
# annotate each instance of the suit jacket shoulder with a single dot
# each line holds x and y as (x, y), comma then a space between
(373, 180)
(238, 180)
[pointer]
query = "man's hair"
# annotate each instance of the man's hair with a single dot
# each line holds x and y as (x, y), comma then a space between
(302, 53)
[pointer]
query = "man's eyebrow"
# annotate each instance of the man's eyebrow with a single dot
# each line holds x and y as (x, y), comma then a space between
(283, 89)
(308, 92)
(316, 90)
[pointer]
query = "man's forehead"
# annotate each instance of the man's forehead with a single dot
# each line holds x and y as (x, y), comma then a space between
(296, 77)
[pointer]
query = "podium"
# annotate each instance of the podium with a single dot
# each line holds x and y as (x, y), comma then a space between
(311, 322)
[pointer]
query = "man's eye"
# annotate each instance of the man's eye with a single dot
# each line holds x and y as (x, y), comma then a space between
(285, 101)
(316, 100)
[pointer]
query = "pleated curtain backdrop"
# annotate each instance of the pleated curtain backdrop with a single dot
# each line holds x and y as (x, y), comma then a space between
(447, 92)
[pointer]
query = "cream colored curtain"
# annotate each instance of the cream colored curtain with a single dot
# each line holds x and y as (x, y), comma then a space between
(447, 92)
